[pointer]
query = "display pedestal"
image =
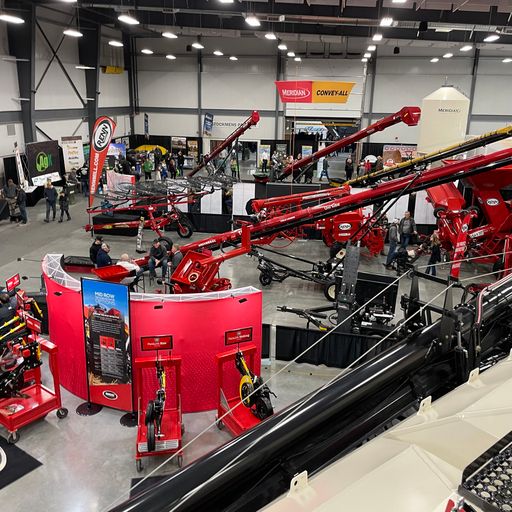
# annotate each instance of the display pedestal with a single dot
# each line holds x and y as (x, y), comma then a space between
(88, 409)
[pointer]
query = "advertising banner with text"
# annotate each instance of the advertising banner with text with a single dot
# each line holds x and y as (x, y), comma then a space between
(314, 91)
(43, 161)
(73, 151)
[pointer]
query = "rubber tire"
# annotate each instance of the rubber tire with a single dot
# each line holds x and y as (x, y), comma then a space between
(248, 207)
(220, 424)
(330, 291)
(150, 412)
(13, 438)
(264, 408)
(265, 279)
(166, 242)
(150, 436)
(185, 231)
(62, 413)
(438, 210)
(138, 465)
(179, 460)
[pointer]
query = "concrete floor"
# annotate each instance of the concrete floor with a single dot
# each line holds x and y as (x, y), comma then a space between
(88, 462)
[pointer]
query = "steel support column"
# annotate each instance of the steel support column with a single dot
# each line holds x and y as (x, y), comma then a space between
(279, 76)
(474, 73)
(89, 55)
(22, 46)
(130, 64)
(199, 96)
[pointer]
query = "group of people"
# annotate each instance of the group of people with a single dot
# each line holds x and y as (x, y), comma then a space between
(17, 202)
(52, 197)
(158, 258)
(166, 166)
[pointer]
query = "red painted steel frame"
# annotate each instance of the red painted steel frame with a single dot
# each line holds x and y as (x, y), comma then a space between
(252, 120)
(408, 115)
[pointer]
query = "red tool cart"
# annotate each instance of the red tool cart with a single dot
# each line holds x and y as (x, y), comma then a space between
(169, 440)
(37, 400)
(241, 418)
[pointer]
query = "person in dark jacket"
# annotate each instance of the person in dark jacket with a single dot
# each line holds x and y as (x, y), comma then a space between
(406, 229)
(7, 312)
(9, 193)
(349, 168)
(393, 242)
(435, 255)
(64, 205)
(181, 163)
(95, 247)
(379, 164)
(157, 257)
(102, 258)
(50, 194)
(21, 201)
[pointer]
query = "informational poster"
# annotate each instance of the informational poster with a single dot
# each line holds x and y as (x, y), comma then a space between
(193, 149)
(178, 144)
(43, 162)
(106, 313)
(307, 150)
(264, 151)
(307, 91)
(282, 148)
(208, 124)
(146, 125)
(73, 151)
(117, 150)
(395, 153)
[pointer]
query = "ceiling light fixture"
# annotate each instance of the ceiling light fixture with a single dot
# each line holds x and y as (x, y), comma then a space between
(84, 67)
(435, 59)
(218, 53)
(9, 18)
(233, 57)
(491, 38)
(297, 59)
(72, 33)
(115, 43)
(252, 21)
(271, 36)
(282, 46)
(364, 60)
(227, 1)
(69, 1)
(387, 21)
(466, 48)
(169, 35)
(398, 1)
(447, 55)
(371, 48)
(291, 54)
(146, 51)
(377, 37)
(170, 57)
(129, 20)
(367, 55)
(197, 45)
(507, 60)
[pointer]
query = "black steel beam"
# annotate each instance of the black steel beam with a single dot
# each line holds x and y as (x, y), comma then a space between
(130, 65)
(21, 40)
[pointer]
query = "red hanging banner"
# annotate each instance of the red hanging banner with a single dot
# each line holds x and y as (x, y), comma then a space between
(295, 91)
(100, 140)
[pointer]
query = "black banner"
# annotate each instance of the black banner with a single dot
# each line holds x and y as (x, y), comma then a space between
(43, 161)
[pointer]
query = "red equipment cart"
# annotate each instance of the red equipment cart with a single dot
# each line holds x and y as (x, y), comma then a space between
(172, 429)
(241, 418)
(38, 400)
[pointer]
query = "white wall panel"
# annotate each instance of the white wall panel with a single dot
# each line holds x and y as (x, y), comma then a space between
(399, 133)
(212, 203)
(7, 142)
(399, 207)
(9, 88)
(242, 193)
(62, 128)
(423, 212)
(114, 90)
(168, 124)
(225, 125)
(168, 89)
(492, 88)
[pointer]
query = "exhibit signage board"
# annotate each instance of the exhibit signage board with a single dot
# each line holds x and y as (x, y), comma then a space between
(43, 162)
(73, 152)
(12, 282)
(238, 336)
(156, 342)
(118, 150)
(208, 124)
(33, 324)
(314, 91)
(146, 125)
(395, 153)
(106, 315)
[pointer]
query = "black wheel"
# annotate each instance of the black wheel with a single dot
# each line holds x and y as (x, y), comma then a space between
(185, 230)
(150, 436)
(220, 424)
(13, 438)
(166, 242)
(150, 412)
(265, 279)
(138, 465)
(264, 408)
(179, 459)
(330, 291)
(438, 211)
(245, 394)
(62, 413)
(248, 207)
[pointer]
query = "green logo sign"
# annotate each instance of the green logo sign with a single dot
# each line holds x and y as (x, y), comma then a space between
(43, 162)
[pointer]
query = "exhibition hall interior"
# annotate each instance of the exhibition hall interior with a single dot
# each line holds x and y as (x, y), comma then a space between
(256, 255)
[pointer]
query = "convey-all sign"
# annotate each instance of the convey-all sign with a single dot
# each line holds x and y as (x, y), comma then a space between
(314, 91)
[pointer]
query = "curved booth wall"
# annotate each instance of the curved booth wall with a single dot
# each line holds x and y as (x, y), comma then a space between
(197, 322)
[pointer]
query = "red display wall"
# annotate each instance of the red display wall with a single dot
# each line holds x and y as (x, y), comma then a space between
(198, 329)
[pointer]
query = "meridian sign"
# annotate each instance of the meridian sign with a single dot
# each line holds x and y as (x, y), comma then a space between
(308, 91)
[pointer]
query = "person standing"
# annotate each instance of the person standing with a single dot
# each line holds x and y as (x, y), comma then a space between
(64, 205)
(407, 229)
(95, 247)
(50, 194)
(10, 194)
(83, 175)
(435, 254)
(349, 168)
(21, 201)
(157, 257)
(103, 258)
(393, 242)
(264, 160)
(379, 164)
(234, 167)
(367, 166)
(148, 168)
(181, 163)
(360, 168)
(325, 169)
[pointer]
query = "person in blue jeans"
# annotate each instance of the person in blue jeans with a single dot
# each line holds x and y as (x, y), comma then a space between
(406, 229)
(393, 243)
(435, 255)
